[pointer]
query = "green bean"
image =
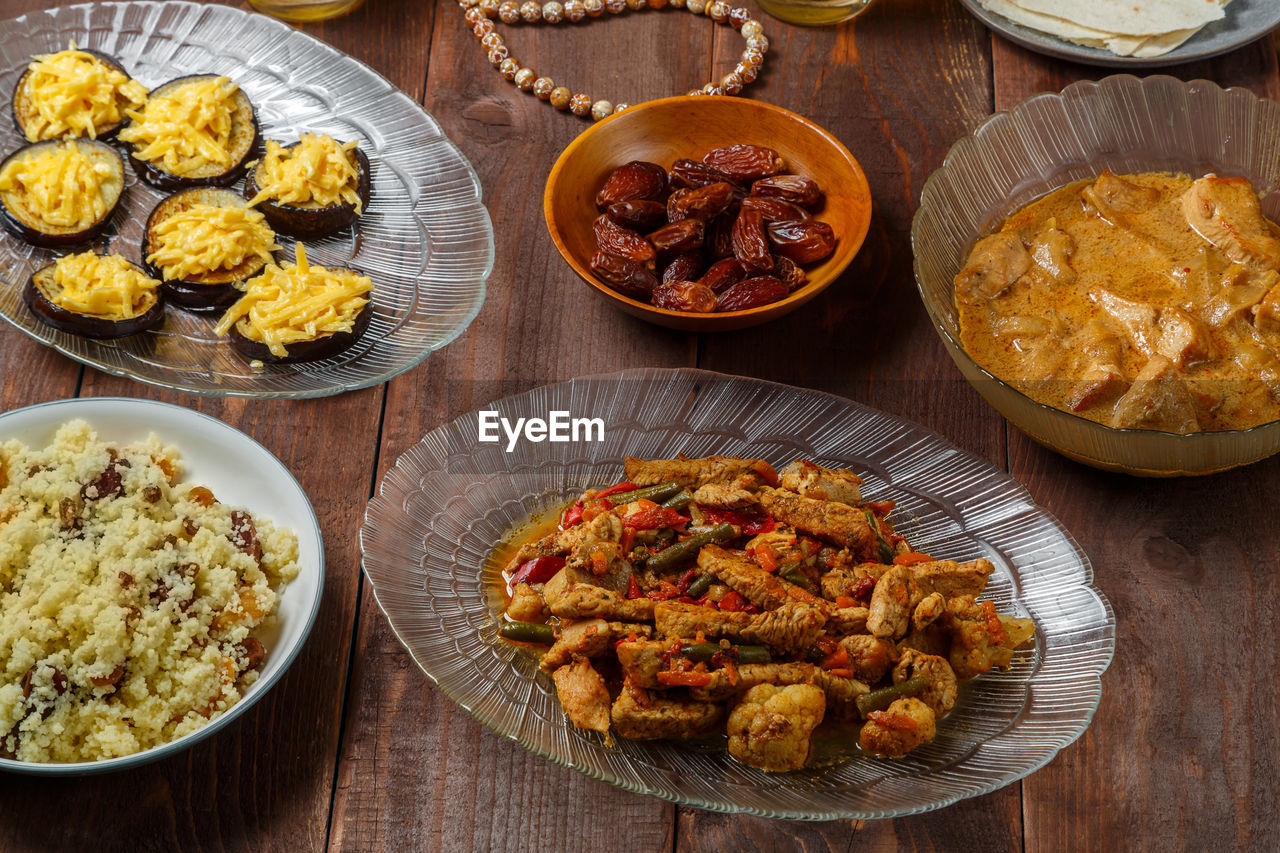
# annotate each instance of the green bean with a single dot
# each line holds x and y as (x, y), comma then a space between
(797, 577)
(700, 585)
(680, 500)
(745, 654)
(670, 556)
(527, 632)
(878, 700)
(883, 549)
(660, 492)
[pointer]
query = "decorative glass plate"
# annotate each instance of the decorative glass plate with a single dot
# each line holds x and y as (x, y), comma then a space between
(240, 472)
(426, 240)
(441, 509)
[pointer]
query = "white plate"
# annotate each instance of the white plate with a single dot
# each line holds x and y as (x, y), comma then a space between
(240, 472)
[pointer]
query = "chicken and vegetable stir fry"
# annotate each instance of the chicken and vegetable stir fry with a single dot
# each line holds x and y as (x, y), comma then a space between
(717, 595)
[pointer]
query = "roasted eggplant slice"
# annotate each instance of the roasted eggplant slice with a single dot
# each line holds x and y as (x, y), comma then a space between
(182, 121)
(299, 312)
(77, 92)
(101, 285)
(313, 350)
(60, 192)
(312, 219)
(202, 242)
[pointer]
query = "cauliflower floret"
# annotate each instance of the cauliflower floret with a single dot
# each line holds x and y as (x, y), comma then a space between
(894, 732)
(770, 728)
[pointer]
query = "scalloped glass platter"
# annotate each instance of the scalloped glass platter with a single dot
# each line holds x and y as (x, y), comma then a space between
(1246, 21)
(241, 472)
(426, 240)
(444, 505)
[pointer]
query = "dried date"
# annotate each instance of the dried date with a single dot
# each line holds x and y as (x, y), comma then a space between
(750, 245)
(632, 181)
(752, 293)
(723, 274)
(745, 162)
(613, 239)
(802, 242)
(623, 275)
(691, 174)
(796, 189)
(703, 203)
(719, 240)
(677, 237)
(685, 267)
(788, 272)
(688, 296)
(775, 209)
(638, 215)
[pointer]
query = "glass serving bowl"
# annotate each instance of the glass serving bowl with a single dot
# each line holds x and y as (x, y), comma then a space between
(447, 502)
(1124, 124)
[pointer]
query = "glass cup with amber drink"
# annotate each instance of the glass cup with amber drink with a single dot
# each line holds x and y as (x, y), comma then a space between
(304, 11)
(815, 13)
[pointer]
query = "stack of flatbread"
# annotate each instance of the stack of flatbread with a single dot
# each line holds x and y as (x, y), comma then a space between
(1138, 28)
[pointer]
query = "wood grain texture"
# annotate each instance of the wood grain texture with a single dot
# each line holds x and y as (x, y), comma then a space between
(1184, 741)
(417, 772)
(266, 782)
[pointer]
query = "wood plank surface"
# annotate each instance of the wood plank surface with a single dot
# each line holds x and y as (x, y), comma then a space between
(1184, 742)
(356, 750)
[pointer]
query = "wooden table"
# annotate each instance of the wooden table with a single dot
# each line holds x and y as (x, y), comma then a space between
(354, 749)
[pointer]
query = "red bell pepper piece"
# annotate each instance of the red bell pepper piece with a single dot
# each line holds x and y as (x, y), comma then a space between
(655, 518)
(751, 525)
(633, 589)
(572, 516)
(734, 602)
(911, 559)
(537, 570)
(616, 488)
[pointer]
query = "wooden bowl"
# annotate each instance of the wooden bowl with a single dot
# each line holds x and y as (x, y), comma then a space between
(669, 129)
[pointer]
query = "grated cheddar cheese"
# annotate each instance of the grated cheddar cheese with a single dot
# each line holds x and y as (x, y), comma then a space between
(102, 286)
(296, 302)
(57, 185)
(317, 172)
(204, 238)
(187, 128)
(74, 93)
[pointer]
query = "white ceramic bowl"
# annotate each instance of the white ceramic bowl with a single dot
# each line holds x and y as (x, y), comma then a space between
(240, 472)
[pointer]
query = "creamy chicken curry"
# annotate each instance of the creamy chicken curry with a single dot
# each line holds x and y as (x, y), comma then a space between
(1147, 301)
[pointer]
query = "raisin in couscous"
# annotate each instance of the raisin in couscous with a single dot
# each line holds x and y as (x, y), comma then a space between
(127, 598)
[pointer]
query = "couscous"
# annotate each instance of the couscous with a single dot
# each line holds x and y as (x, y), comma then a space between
(127, 598)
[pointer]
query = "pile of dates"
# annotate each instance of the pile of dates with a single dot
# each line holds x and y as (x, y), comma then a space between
(726, 233)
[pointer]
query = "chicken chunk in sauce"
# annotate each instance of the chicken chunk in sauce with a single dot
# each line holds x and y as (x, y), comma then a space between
(1143, 301)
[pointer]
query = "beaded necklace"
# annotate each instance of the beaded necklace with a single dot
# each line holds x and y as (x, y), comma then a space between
(480, 14)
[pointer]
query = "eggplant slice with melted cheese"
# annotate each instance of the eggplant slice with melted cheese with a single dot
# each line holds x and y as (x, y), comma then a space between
(299, 312)
(94, 296)
(60, 192)
(314, 195)
(201, 243)
(74, 93)
(194, 131)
